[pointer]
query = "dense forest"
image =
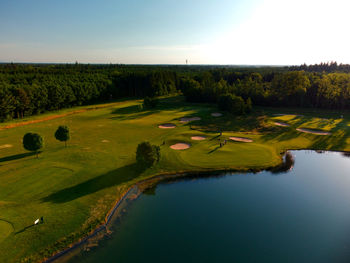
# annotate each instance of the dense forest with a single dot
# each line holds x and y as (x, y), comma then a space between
(27, 89)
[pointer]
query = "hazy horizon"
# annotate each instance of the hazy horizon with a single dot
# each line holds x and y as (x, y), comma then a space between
(253, 32)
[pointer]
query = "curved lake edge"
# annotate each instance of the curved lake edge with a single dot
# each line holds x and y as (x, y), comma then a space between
(152, 181)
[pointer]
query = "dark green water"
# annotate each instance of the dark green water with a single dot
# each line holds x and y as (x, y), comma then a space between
(299, 216)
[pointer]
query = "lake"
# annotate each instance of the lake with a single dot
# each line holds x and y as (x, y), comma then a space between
(299, 216)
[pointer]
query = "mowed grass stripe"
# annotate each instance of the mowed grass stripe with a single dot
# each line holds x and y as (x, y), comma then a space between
(74, 187)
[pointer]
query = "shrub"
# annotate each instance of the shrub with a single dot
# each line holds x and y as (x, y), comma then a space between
(33, 142)
(147, 154)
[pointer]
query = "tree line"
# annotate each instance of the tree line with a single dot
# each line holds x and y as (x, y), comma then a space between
(27, 89)
(288, 88)
(32, 89)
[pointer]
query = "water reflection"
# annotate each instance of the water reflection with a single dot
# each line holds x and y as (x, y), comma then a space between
(286, 166)
(301, 217)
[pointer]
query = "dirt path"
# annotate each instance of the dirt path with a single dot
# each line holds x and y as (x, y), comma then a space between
(13, 125)
(52, 117)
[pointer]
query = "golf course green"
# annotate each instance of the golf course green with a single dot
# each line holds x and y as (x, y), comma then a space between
(73, 188)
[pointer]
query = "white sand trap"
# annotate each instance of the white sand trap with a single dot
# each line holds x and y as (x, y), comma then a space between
(6, 146)
(313, 131)
(241, 139)
(180, 146)
(282, 124)
(198, 138)
(167, 126)
(216, 114)
(190, 119)
(105, 141)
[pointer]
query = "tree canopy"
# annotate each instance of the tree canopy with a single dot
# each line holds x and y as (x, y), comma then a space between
(147, 154)
(33, 142)
(27, 89)
(62, 134)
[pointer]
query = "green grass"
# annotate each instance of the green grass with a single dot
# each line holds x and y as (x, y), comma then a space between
(74, 187)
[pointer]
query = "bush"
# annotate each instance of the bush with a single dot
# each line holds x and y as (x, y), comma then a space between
(147, 154)
(62, 134)
(33, 142)
(232, 103)
(150, 102)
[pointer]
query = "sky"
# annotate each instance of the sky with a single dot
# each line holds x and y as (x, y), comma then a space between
(234, 32)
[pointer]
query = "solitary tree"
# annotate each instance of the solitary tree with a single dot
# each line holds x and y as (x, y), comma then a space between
(147, 154)
(62, 134)
(33, 142)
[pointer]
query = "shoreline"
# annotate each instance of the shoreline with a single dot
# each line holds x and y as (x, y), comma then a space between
(147, 183)
(151, 181)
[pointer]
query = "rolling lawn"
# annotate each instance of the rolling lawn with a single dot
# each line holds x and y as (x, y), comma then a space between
(73, 188)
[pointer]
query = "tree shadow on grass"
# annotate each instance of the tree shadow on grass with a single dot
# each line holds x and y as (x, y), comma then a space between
(215, 149)
(112, 178)
(281, 134)
(336, 141)
(17, 156)
(135, 111)
(286, 133)
(24, 229)
(127, 110)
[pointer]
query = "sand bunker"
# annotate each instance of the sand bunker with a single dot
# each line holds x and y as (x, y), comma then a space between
(190, 119)
(105, 141)
(216, 114)
(241, 139)
(198, 138)
(180, 146)
(282, 124)
(167, 126)
(314, 131)
(5, 146)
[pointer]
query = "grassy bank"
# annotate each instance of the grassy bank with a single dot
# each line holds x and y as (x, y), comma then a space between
(73, 188)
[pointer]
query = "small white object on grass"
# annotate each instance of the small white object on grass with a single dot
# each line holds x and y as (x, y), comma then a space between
(36, 221)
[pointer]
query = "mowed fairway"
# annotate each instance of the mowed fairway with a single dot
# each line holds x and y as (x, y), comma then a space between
(73, 188)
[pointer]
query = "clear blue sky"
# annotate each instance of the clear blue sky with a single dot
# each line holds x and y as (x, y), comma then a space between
(169, 32)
